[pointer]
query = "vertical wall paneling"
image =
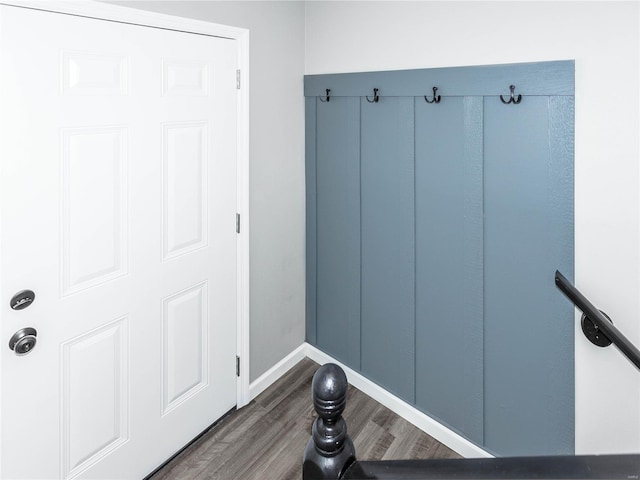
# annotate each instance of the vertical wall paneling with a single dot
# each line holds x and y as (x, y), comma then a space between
(433, 234)
(388, 237)
(310, 184)
(449, 262)
(338, 227)
(560, 201)
(528, 234)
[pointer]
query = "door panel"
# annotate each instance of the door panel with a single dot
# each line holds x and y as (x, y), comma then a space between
(118, 198)
(184, 187)
(185, 352)
(94, 402)
(95, 246)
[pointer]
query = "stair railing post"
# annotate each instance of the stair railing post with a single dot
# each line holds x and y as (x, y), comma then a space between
(329, 451)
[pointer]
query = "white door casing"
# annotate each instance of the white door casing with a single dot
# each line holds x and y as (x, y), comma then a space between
(118, 211)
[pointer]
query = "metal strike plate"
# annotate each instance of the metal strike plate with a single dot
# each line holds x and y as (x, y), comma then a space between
(22, 299)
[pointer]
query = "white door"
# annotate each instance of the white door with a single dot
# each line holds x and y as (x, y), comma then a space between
(118, 201)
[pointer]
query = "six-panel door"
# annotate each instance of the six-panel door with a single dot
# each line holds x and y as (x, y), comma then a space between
(118, 210)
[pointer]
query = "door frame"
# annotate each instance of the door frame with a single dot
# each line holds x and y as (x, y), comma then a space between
(103, 11)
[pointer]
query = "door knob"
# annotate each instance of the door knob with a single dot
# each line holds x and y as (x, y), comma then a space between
(23, 341)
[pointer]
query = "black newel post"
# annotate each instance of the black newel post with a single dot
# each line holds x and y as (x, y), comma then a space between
(329, 451)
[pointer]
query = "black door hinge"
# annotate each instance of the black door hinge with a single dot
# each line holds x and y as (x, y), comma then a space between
(237, 366)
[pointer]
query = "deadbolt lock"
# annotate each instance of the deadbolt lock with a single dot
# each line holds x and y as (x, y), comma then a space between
(23, 341)
(22, 299)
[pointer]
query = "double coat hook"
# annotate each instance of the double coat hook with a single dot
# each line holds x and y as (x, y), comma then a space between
(375, 96)
(435, 99)
(513, 99)
(327, 96)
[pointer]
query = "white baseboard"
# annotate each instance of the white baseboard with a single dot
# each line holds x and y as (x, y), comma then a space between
(411, 414)
(414, 416)
(265, 380)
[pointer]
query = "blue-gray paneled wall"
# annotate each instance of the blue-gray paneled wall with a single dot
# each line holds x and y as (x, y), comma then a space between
(449, 259)
(338, 228)
(433, 234)
(311, 220)
(387, 244)
(528, 203)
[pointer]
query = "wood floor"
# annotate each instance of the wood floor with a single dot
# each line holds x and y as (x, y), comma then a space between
(265, 440)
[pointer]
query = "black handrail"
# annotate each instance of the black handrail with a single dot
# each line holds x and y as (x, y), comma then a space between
(601, 322)
(512, 468)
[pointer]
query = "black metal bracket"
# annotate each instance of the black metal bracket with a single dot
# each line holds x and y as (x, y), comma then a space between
(592, 331)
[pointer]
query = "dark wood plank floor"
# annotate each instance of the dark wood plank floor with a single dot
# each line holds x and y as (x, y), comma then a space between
(266, 439)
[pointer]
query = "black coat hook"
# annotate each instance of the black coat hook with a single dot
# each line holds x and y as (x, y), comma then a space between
(327, 96)
(435, 99)
(512, 99)
(375, 96)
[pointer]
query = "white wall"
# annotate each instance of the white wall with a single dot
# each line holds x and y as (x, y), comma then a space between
(358, 36)
(276, 165)
(603, 38)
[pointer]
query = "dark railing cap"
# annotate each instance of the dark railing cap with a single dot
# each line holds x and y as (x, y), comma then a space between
(329, 391)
